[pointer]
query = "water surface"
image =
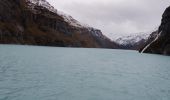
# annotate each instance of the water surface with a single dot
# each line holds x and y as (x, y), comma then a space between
(51, 73)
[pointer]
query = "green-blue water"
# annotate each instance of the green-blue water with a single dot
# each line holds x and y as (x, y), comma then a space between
(51, 73)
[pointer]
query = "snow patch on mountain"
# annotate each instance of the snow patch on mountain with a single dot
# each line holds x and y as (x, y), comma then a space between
(132, 38)
(45, 4)
(71, 20)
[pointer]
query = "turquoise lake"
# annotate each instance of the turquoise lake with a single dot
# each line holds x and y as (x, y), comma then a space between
(54, 73)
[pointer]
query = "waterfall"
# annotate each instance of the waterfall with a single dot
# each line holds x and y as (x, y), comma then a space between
(158, 35)
(0, 35)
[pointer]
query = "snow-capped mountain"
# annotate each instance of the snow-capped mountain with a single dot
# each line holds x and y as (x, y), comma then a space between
(67, 18)
(45, 4)
(132, 41)
(132, 38)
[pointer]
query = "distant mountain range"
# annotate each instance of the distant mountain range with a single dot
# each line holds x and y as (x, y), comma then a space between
(132, 41)
(36, 22)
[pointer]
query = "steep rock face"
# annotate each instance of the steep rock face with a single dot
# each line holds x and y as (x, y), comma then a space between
(38, 23)
(159, 41)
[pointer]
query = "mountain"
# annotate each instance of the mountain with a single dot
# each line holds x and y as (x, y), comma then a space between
(132, 41)
(159, 41)
(36, 22)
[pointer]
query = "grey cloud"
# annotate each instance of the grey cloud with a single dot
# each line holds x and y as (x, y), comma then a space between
(115, 16)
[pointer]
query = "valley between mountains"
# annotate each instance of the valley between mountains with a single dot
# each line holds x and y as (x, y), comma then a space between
(36, 22)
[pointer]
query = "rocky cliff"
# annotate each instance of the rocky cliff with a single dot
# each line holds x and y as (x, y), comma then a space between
(159, 41)
(36, 22)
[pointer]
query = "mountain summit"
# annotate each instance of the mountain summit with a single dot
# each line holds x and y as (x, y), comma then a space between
(132, 41)
(36, 22)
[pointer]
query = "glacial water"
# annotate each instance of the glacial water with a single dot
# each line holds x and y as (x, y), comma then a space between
(52, 73)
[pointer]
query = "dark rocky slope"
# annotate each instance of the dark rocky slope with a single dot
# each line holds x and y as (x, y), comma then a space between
(22, 22)
(159, 41)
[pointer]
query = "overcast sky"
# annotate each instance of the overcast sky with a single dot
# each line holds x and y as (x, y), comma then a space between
(115, 16)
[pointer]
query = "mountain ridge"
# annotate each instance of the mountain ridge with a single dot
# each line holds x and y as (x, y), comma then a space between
(28, 22)
(132, 41)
